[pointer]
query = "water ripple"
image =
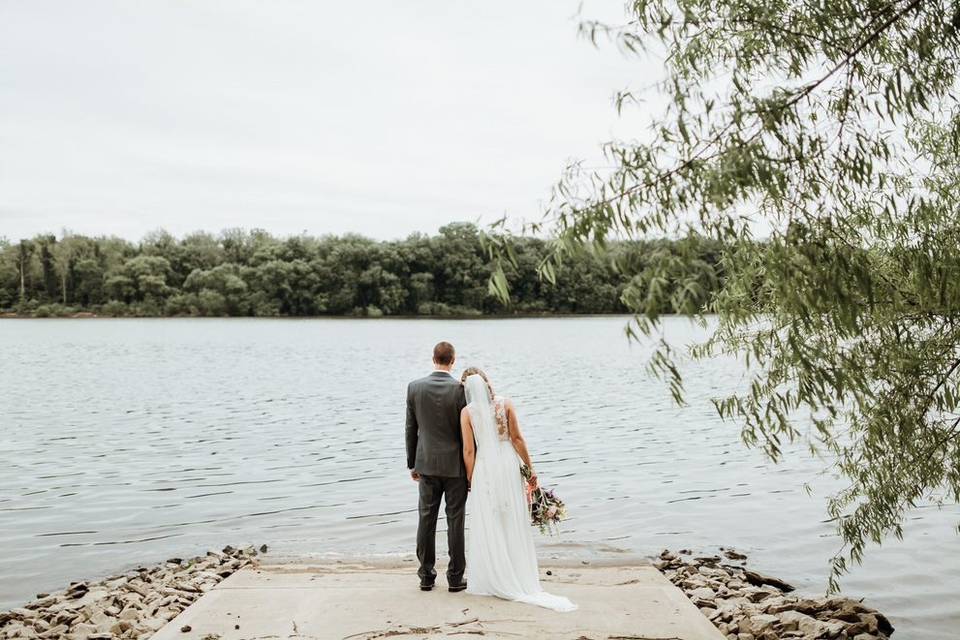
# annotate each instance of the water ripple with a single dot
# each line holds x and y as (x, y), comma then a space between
(166, 437)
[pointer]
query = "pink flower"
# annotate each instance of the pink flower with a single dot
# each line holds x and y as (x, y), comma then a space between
(552, 511)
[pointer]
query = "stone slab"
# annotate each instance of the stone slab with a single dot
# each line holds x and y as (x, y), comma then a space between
(346, 601)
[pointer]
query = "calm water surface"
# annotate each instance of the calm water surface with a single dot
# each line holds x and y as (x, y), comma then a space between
(128, 441)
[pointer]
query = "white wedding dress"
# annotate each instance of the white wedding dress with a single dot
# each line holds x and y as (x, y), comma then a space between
(501, 559)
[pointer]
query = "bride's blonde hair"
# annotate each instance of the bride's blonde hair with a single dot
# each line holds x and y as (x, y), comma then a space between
(470, 371)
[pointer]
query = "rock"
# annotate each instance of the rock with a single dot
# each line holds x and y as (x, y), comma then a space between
(132, 606)
(758, 624)
(730, 554)
(56, 632)
(121, 627)
(693, 582)
(704, 593)
(82, 631)
(758, 579)
(758, 596)
(101, 619)
(186, 587)
(186, 628)
(747, 603)
(129, 613)
(883, 624)
(861, 627)
(811, 627)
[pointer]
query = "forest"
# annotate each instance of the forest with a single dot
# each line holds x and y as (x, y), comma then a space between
(252, 273)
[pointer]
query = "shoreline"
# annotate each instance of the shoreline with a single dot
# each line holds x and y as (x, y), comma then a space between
(741, 603)
(132, 605)
(90, 315)
(746, 605)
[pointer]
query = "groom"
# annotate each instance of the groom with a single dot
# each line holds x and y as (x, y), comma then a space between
(435, 460)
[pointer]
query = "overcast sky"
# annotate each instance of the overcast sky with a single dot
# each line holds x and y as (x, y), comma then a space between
(378, 117)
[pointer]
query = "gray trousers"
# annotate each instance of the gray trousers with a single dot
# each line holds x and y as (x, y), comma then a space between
(453, 491)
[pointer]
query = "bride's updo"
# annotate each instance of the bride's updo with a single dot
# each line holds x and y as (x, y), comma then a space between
(470, 371)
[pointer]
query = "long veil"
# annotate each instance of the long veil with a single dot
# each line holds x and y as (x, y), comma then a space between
(503, 558)
(480, 403)
(495, 458)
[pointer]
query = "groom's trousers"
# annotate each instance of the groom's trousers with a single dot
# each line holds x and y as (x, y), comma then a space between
(453, 491)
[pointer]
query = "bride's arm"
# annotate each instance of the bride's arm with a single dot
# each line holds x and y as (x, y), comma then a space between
(516, 437)
(469, 447)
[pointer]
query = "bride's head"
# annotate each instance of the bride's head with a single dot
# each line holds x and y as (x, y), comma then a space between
(476, 371)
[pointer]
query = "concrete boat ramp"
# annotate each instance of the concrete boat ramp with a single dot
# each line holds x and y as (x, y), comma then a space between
(348, 601)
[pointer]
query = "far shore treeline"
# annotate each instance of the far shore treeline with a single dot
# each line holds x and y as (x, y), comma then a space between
(251, 273)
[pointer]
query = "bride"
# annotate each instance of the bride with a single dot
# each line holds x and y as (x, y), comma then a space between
(502, 561)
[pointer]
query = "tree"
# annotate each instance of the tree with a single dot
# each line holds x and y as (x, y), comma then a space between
(222, 285)
(24, 254)
(64, 257)
(9, 275)
(47, 245)
(421, 289)
(463, 271)
(817, 143)
(88, 288)
(240, 273)
(141, 279)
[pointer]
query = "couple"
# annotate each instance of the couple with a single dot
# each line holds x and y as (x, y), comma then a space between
(462, 438)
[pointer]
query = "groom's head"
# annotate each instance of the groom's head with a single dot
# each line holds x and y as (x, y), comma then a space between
(444, 356)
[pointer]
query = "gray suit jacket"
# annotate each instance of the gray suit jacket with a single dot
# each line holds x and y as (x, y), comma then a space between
(434, 444)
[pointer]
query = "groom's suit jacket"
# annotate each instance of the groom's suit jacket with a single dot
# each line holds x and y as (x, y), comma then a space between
(434, 443)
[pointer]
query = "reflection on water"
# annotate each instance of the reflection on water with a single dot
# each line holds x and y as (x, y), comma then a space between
(125, 441)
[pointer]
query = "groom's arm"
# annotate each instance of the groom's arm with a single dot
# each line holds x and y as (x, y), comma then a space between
(412, 430)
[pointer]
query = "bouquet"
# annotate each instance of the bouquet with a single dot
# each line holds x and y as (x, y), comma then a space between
(546, 508)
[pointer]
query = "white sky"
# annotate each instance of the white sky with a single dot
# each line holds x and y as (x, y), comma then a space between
(379, 117)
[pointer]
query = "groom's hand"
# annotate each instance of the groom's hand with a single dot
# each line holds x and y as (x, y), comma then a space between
(414, 475)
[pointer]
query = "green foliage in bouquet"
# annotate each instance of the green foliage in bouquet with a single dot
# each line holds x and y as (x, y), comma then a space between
(547, 510)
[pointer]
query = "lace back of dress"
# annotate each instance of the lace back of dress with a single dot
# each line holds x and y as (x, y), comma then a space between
(500, 413)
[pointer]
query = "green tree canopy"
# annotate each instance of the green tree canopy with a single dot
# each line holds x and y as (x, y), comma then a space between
(240, 273)
(829, 130)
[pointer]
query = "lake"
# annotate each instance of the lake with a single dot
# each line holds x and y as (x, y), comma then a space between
(130, 441)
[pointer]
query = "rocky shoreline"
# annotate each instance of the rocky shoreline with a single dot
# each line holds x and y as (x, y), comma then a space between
(133, 605)
(741, 603)
(746, 605)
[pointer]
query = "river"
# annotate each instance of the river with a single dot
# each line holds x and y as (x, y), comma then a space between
(127, 441)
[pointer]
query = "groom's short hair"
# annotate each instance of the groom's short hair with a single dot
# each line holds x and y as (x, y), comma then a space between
(444, 353)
